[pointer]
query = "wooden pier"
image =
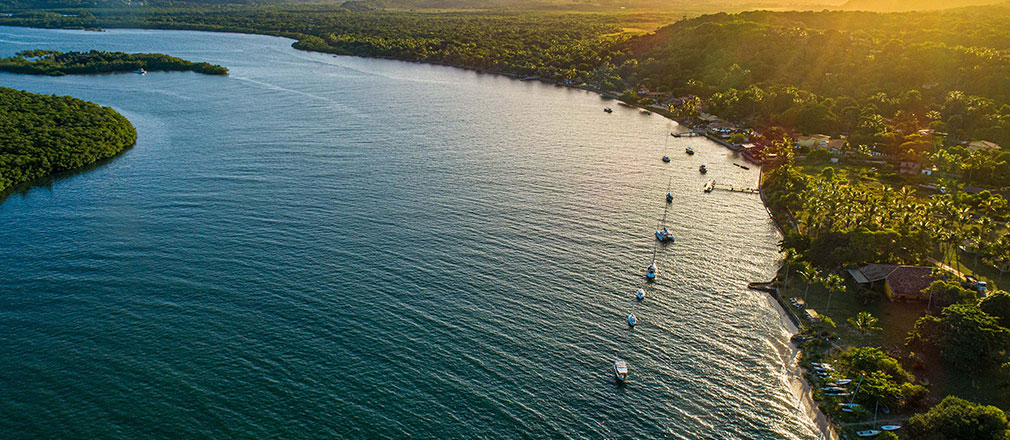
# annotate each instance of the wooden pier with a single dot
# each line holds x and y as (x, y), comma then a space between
(739, 189)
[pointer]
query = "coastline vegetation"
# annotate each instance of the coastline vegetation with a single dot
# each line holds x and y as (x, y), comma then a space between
(43, 134)
(909, 88)
(54, 63)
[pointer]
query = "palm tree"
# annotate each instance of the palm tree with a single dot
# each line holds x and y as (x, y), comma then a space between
(810, 274)
(833, 283)
(865, 322)
(789, 257)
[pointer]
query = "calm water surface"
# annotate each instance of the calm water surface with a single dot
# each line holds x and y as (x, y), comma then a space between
(323, 247)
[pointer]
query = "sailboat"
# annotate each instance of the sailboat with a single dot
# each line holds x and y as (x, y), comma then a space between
(665, 157)
(664, 235)
(650, 272)
(871, 432)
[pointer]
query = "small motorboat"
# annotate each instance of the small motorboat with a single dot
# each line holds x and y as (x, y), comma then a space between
(834, 389)
(702, 169)
(650, 273)
(689, 150)
(666, 159)
(632, 320)
(141, 71)
(890, 427)
(849, 405)
(868, 433)
(676, 135)
(669, 198)
(640, 294)
(843, 381)
(664, 235)
(709, 186)
(621, 370)
(607, 109)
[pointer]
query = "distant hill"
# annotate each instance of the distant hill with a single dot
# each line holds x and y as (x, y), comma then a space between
(680, 6)
(912, 5)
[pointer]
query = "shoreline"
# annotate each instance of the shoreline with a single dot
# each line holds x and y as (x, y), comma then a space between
(796, 380)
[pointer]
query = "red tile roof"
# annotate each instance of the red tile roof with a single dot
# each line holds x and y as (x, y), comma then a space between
(910, 281)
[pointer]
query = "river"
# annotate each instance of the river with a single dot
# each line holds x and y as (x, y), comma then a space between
(337, 247)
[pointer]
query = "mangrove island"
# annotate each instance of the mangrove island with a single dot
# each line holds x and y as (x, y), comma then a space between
(55, 63)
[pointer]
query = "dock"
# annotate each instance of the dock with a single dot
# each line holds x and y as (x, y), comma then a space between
(739, 189)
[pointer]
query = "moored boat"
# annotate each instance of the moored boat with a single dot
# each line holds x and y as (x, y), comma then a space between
(650, 273)
(669, 198)
(709, 186)
(608, 109)
(664, 235)
(890, 427)
(666, 158)
(702, 169)
(621, 370)
(868, 433)
(140, 71)
(640, 294)
(632, 320)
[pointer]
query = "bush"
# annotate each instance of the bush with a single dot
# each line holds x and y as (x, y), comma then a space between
(958, 419)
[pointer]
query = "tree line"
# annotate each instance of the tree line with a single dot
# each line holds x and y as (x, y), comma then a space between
(55, 63)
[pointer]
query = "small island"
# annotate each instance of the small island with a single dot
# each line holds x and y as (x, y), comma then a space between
(45, 134)
(55, 63)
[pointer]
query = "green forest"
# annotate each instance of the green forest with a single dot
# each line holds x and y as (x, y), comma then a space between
(870, 75)
(54, 63)
(42, 134)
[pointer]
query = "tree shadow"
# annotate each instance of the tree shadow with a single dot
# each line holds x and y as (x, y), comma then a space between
(47, 181)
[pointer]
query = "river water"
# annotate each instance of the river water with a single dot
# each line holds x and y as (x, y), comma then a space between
(337, 247)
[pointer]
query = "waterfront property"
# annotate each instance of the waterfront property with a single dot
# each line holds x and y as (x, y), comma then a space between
(901, 283)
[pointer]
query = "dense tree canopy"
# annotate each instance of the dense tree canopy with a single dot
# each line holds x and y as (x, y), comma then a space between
(959, 419)
(54, 63)
(884, 379)
(41, 135)
(964, 335)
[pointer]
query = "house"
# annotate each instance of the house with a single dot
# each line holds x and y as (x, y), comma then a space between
(813, 316)
(901, 283)
(835, 146)
(983, 145)
(906, 283)
(813, 141)
(909, 167)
